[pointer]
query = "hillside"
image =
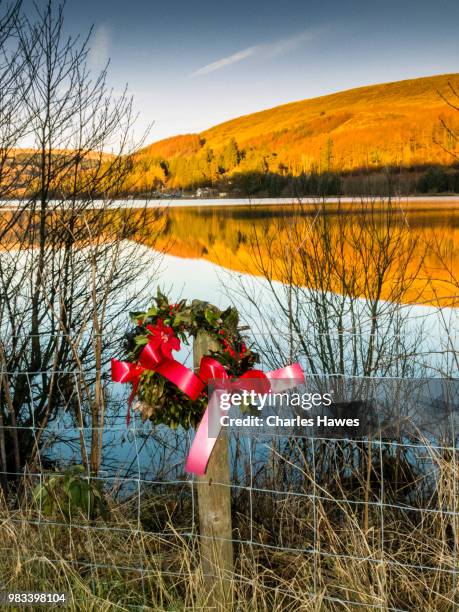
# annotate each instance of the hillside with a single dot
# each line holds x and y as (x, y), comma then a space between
(399, 124)
(21, 170)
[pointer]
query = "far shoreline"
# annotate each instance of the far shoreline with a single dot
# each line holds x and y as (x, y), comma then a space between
(423, 203)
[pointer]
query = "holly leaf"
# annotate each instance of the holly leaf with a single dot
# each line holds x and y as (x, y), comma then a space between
(161, 299)
(183, 317)
(211, 317)
(230, 318)
(136, 315)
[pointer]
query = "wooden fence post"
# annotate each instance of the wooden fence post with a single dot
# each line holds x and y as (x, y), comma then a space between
(214, 501)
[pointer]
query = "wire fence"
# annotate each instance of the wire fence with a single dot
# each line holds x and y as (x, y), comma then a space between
(318, 522)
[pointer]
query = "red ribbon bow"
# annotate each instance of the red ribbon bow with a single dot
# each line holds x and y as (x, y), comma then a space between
(157, 356)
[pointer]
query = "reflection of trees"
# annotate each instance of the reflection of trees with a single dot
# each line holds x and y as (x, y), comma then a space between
(223, 235)
(339, 308)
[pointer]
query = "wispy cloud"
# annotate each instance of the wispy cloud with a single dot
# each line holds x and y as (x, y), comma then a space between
(99, 53)
(285, 45)
(265, 51)
(226, 61)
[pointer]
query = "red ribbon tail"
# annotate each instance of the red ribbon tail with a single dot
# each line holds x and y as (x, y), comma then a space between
(135, 386)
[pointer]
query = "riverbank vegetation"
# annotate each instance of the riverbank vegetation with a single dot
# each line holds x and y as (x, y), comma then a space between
(309, 545)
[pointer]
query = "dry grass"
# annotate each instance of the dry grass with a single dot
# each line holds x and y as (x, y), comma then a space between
(337, 544)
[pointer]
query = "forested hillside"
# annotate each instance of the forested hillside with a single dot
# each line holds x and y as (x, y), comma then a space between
(410, 125)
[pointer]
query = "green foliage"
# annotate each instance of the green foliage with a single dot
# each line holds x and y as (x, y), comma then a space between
(437, 180)
(168, 405)
(162, 401)
(276, 185)
(69, 495)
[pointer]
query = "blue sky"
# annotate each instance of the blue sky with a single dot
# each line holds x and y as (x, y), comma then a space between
(192, 64)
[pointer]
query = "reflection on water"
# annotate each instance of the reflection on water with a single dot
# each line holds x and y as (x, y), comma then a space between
(284, 240)
(421, 238)
(252, 239)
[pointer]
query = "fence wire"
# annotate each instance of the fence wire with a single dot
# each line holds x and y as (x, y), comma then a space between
(317, 521)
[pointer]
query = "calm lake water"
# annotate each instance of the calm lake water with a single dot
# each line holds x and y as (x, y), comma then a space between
(243, 238)
(213, 248)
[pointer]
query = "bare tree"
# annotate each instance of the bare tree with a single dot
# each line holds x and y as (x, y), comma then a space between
(444, 281)
(64, 278)
(332, 289)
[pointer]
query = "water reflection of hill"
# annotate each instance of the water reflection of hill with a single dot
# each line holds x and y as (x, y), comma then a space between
(228, 236)
(247, 238)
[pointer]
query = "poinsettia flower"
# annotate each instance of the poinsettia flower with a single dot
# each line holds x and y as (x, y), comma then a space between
(163, 338)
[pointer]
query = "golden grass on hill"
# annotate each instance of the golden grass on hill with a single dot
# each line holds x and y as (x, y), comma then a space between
(369, 127)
